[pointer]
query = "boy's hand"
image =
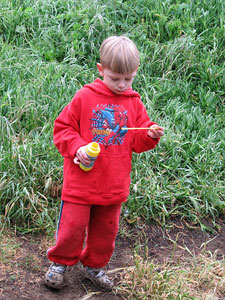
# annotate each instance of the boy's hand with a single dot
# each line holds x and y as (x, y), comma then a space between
(81, 157)
(155, 131)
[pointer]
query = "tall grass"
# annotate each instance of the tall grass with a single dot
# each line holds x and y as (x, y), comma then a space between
(198, 278)
(49, 49)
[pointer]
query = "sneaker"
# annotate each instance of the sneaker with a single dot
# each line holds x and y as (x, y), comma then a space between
(54, 277)
(98, 277)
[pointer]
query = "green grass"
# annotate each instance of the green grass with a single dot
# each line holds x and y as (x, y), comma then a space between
(49, 49)
(196, 278)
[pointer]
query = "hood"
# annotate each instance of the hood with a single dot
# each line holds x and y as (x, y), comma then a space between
(99, 87)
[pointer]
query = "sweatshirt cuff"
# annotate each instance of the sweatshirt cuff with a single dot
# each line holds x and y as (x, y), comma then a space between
(75, 146)
(152, 141)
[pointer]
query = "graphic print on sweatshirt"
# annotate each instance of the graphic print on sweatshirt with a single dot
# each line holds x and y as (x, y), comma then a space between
(107, 122)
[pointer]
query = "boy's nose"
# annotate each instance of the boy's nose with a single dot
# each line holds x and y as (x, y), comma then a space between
(121, 84)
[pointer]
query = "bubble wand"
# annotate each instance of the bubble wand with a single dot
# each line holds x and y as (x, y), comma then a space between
(139, 128)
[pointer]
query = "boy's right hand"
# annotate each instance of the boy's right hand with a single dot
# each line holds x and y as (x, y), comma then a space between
(81, 157)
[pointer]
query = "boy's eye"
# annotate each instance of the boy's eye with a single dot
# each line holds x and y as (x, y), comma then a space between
(116, 79)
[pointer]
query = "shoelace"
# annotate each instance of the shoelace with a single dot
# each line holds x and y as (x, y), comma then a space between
(95, 272)
(58, 269)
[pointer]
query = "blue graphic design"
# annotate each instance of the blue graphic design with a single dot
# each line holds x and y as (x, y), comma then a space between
(106, 124)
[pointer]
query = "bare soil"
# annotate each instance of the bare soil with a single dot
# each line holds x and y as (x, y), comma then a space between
(23, 264)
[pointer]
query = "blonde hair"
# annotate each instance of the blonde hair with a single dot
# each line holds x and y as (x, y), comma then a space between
(119, 54)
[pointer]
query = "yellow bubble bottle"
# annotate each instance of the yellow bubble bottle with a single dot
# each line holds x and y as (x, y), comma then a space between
(92, 151)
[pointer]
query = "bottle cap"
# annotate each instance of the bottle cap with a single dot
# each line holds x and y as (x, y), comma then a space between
(93, 149)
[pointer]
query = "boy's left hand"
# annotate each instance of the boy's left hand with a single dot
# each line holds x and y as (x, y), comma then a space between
(155, 132)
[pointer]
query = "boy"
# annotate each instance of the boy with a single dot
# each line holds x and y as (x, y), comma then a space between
(91, 201)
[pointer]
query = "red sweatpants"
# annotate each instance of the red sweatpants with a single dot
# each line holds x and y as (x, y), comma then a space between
(101, 223)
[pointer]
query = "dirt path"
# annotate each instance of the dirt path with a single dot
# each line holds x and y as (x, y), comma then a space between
(23, 262)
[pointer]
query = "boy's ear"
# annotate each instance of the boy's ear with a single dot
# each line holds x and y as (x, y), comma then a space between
(100, 69)
(136, 71)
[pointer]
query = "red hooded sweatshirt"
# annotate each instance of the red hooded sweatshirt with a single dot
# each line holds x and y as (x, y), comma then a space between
(96, 114)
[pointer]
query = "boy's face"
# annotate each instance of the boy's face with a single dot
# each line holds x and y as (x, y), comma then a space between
(117, 83)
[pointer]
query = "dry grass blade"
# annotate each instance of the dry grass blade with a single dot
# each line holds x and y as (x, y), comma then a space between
(89, 295)
(119, 270)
